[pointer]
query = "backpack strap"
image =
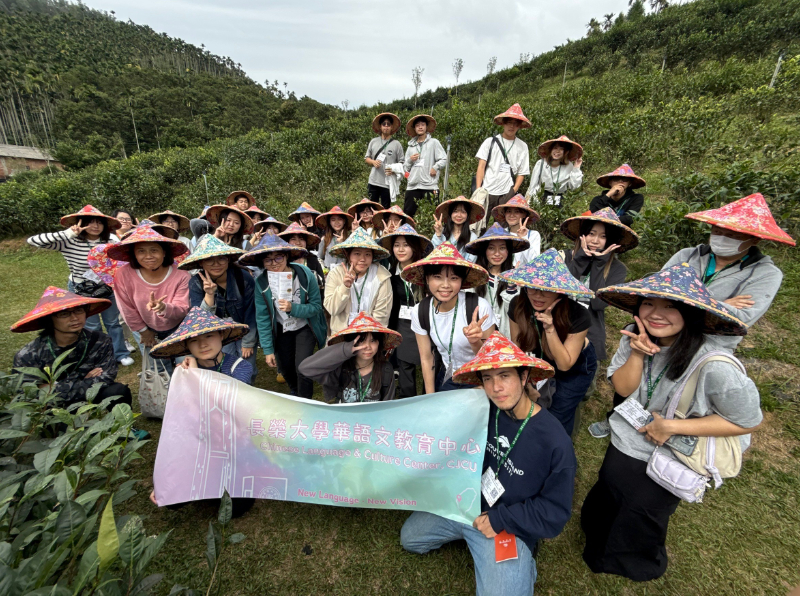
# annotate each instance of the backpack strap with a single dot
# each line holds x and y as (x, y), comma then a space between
(495, 140)
(471, 304)
(236, 364)
(682, 398)
(382, 148)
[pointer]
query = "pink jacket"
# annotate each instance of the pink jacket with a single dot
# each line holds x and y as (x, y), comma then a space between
(133, 294)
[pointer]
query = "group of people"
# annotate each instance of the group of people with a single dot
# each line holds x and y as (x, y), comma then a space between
(362, 303)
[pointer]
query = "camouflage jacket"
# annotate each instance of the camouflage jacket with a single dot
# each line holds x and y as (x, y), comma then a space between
(93, 349)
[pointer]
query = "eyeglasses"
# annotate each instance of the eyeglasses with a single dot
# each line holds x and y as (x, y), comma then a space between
(63, 314)
(274, 261)
(124, 219)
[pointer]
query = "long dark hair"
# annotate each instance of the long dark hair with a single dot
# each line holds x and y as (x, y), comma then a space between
(686, 345)
(529, 332)
(84, 222)
(237, 239)
(329, 233)
(416, 254)
(349, 368)
(500, 286)
(168, 260)
(463, 237)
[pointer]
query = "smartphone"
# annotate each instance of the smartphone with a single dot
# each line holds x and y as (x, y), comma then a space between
(685, 444)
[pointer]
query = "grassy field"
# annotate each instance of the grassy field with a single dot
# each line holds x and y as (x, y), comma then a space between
(742, 540)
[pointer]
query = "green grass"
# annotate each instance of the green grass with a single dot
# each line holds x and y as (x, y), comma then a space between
(742, 540)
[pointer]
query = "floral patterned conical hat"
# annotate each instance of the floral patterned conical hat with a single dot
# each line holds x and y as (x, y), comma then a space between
(394, 209)
(679, 283)
(90, 211)
(53, 301)
(574, 153)
(143, 233)
(515, 112)
(322, 220)
(197, 322)
(494, 233)
(623, 171)
(183, 222)
(498, 352)
(312, 239)
(359, 239)
(446, 254)
(270, 243)
(549, 273)
(209, 246)
(304, 209)
(363, 323)
(519, 202)
(749, 215)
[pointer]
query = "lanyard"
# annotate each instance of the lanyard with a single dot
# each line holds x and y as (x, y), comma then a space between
(358, 294)
(452, 332)
(409, 293)
(85, 350)
(510, 148)
(651, 387)
(419, 147)
(363, 394)
(503, 459)
(557, 178)
(710, 274)
(621, 208)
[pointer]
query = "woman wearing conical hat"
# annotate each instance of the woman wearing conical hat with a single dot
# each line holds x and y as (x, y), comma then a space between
(619, 194)
(599, 238)
(547, 321)
(359, 283)
(677, 323)
(425, 160)
(732, 265)
(557, 171)
(85, 230)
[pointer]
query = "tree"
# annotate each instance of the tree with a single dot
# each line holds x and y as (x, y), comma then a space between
(458, 64)
(416, 79)
(608, 21)
(593, 27)
(345, 104)
(636, 10)
(492, 64)
(658, 5)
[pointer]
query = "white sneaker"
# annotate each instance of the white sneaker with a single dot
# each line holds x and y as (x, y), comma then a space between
(126, 362)
(130, 347)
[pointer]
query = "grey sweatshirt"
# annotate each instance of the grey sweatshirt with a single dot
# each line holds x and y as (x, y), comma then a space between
(394, 154)
(756, 276)
(433, 155)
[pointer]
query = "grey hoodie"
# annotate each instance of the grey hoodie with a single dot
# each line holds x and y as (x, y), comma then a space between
(756, 276)
(433, 155)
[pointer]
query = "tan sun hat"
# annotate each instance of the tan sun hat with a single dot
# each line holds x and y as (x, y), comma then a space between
(396, 123)
(410, 125)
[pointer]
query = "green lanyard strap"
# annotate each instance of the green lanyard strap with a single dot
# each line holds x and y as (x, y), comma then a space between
(711, 270)
(556, 179)
(503, 458)
(651, 386)
(409, 294)
(363, 393)
(359, 294)
(452, 333)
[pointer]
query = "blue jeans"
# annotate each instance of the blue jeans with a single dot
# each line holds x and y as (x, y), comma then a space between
(110, 317)
(235, 348)
(571, 388)
(423, 532)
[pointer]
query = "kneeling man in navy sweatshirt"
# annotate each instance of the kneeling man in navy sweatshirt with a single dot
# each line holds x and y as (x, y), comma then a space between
(527, 484)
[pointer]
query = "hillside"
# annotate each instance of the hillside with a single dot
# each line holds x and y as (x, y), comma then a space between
(70, 77)
(699, 131)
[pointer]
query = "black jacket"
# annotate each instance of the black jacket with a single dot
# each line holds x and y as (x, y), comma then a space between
(631, 201)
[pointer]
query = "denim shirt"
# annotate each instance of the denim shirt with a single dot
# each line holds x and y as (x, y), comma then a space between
(232, 304)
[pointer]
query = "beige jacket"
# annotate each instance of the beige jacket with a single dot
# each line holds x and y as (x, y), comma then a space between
(337, 298)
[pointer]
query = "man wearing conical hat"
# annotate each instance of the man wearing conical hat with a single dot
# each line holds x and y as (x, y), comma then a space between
(503, 160)
(383, 152)
(619, 194)
(731, 265)
(528, 474)
(425, 160)
(61, 317)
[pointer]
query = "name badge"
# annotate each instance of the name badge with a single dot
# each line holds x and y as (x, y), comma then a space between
(634, 413)
(505, 547)
(420, 162)
(405, 312)
(505, 167)
(491, 487)
(381, 157)
(540, 384)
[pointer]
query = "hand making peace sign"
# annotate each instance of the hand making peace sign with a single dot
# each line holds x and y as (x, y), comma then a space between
(349, 276)
(154, 305)
(523, 229)
(474, 331)
(641, 343)
(77, 229)
(209, 287)
(546, 317)
(438, 224)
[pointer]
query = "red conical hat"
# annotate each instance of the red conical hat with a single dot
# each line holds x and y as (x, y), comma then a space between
(515, 112)
(55, 300)
(124, 250)
(89, 211)
(312, 239)
(623, 171)
(749, 215)
(498, 352)
(363, 323)
(322, 220)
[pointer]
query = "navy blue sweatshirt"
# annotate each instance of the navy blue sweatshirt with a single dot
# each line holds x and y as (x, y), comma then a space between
(538, 477)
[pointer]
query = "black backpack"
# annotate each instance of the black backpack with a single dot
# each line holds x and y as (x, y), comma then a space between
(425, 323)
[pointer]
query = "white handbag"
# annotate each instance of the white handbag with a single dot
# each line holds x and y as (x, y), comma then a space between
(153, 388)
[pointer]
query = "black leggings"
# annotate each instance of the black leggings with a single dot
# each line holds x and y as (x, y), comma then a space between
(414, 196)
(379, 194)
(115, 389)
(292, 348)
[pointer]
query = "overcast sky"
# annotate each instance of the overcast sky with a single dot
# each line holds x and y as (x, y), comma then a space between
(360, 50)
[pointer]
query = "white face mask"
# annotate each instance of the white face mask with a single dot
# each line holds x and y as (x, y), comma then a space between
(724, 246)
